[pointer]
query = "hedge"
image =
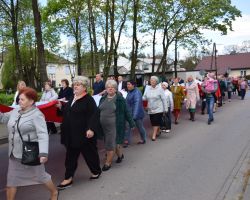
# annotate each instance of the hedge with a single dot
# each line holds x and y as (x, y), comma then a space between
(6, 99)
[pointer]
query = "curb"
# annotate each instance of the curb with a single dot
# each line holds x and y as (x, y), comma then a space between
(237, 184)
(3, 140)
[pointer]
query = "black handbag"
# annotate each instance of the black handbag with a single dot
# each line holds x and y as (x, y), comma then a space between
(165, 122)
(30, 155)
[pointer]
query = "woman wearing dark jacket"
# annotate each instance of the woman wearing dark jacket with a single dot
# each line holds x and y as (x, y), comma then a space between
(66, 92)
(113, 116)
(78, 132)
(134, 102)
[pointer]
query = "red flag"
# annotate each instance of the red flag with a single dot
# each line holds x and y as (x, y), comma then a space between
(49, 110)
(5, 109)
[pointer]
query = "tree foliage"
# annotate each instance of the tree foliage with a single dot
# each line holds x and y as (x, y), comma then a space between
(97, 29)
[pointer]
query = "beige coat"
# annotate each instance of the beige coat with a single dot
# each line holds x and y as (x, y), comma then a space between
(192, 95)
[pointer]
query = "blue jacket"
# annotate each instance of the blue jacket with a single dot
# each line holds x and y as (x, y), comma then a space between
(134, 101)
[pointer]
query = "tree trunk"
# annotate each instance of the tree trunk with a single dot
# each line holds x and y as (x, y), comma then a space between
(40, 46)
(106, 67)
(154, 39)
(124, 18)
(135, 42)
(92, 67)
(14, 9)
(109, 53)
(93, 40)
(78, 46)
(112, 34)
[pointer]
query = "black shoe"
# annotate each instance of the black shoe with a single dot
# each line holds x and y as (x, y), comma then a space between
(106, 167)
(209, 122)
(62, 187)
(119, 159)
(153, 139)
(95, 176)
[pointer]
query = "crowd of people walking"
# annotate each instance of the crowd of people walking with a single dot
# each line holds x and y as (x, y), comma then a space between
(112, 120)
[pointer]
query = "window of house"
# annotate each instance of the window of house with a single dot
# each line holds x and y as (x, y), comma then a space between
(52, 76)
(243, 72)
(145, 67)
(51, 69)
(67, 70)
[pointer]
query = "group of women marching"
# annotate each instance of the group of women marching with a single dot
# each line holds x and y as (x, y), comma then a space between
(112, 120)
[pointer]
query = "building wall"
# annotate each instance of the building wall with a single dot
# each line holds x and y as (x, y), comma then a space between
(57, 72)
(242, 72)
(185, 74)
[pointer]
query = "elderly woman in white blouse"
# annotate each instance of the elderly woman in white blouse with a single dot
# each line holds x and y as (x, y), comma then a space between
(49, 94)
(20, 86)
(157, 104)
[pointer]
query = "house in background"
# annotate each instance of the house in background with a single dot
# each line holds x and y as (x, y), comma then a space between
(233, 64)
(58, 68)
(144, 69)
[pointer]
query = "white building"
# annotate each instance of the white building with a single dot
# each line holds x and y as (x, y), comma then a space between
(58, 68)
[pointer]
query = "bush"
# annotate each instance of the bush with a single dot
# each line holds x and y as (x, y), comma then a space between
(6, 99)
(248, 77)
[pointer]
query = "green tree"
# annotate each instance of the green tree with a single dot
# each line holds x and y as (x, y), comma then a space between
(70, 17)
(181, 20)
(135, 41)
(40, 46)
(9, 10)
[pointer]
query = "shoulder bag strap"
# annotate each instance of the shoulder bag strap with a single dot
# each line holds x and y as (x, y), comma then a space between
(18, 120)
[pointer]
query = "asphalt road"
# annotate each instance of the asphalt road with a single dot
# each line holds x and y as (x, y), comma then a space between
(194, 162)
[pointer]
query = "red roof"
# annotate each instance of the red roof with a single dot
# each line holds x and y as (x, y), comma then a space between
(224, 62)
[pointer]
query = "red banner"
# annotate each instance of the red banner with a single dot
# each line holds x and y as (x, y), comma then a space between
(49, 110)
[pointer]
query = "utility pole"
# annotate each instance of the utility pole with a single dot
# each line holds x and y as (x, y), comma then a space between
(176, 59)
(214, 59)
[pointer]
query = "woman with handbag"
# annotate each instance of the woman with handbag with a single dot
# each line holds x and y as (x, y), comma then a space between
(157, 105)
(27, 123)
